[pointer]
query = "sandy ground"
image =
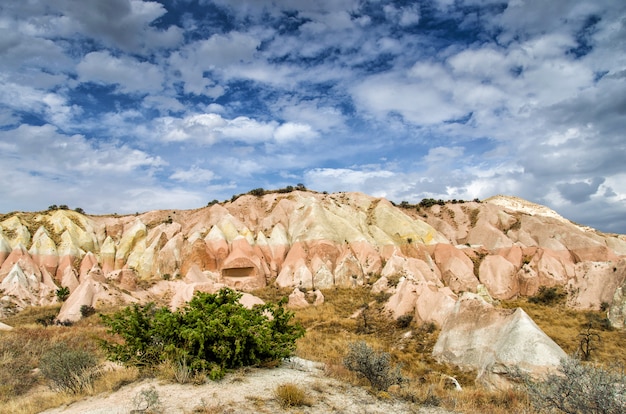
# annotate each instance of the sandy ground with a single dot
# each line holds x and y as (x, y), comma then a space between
(246, 391)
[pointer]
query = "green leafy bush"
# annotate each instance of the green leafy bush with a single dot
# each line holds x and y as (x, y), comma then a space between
(212, 333)
(375, 366)
(87, 310)
(69, 370)
(579, 388)
(62, 293)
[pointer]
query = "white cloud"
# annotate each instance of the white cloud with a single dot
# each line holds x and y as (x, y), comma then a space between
(193, 175)
(405, 16)
(69, 169)
(420, 99)
(164, 104)
(121, 23)
(289, 132)
(130, 75)
(51, 151)
(52, 106)
(220, 53)
(348, 179)
(211, 128)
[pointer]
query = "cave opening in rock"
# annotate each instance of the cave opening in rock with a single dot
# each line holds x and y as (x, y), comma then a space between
(239, 272)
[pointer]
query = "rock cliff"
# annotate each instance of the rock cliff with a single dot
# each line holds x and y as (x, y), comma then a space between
(423, 256)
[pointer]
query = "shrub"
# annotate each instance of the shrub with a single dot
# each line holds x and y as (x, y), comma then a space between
(87, 310)
(291, 395)
(548, 296)
(69, 370)
(62, 293)
(47, 320)
(374, 366)
(579, 388)
(404, 321)
(147, 401)
(257, 192)
(212, 333)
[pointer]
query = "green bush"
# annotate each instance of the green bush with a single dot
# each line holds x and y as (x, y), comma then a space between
(69, 370)
(579, 388)
(374, 366)
(87, 310)
(212, 333)
(62, 293)
(548, 296)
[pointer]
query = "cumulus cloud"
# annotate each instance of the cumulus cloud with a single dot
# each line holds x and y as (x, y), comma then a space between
(580, 191)
(211, 128)
(293, 131)
(418, 97)
(40, 158)
(129, 75)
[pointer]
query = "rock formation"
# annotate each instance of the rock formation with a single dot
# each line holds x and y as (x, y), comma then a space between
(423, 257)
(495, 342)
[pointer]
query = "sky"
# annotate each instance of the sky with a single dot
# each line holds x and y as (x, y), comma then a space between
(124, 106)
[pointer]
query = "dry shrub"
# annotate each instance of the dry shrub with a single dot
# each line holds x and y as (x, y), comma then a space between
(373, 365)
(69, 370)
(31, 315)
(580, 388)
(291, 395)
(205, 408)
(147, 400)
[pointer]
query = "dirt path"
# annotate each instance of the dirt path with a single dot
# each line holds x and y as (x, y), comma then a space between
(245, 391)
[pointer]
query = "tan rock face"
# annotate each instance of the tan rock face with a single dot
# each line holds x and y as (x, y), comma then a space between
(319, 241)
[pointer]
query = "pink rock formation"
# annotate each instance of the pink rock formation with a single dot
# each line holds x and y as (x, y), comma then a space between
(595, 283)
(320, 241)
(242, 269)
(457, 270)
(43, 251)
(499, 277)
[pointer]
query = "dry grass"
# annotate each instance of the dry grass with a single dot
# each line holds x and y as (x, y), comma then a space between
(206, 408)
(292, 395)
(22, 388)
(331, 327)
(565, 325)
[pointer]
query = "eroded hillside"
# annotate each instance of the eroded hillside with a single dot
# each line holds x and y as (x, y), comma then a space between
(424, 257)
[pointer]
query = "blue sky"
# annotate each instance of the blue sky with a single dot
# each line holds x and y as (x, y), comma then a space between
(128, 105)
